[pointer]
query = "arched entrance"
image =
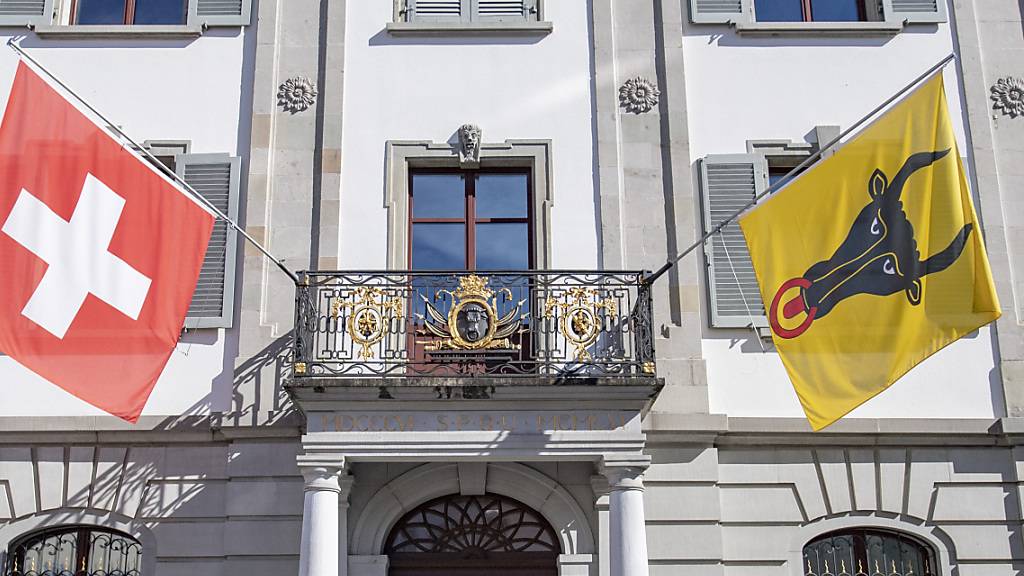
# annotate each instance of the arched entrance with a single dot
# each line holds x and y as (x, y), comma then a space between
(469, 535)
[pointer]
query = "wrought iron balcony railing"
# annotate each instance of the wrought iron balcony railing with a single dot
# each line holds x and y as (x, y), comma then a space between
(538, 323)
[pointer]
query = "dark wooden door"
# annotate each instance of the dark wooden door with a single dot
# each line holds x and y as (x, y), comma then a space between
(494, 564)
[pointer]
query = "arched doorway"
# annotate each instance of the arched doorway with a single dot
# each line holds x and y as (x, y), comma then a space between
(469, 535)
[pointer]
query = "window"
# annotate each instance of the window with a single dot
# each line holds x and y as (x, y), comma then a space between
(129, 12)
(470, 220)
(868, 551)
(825, 16)
(809, 10)
(78, 550)
(216, 178)
(728, 182)
(470, 11)
(110, 16)
(472, 534)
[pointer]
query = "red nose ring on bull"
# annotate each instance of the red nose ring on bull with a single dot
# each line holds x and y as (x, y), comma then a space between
(793, 308)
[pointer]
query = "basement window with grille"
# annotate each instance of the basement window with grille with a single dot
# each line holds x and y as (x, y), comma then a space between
(469, 16)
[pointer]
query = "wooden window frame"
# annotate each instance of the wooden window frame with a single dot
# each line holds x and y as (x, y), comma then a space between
(129, 13)
(808, 11)
(469, 218)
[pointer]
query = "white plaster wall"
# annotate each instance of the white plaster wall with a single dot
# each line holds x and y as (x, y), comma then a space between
(746, 88)
(401, 88)
(154, 90)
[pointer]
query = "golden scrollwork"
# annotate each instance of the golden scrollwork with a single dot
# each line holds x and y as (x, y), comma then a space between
(371, 312)
(580, 322)
(472, 322)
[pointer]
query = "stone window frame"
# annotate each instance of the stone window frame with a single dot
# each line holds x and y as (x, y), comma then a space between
(399, 25)
(403, 155)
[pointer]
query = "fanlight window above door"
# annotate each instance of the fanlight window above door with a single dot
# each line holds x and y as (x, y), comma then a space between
(472, 527)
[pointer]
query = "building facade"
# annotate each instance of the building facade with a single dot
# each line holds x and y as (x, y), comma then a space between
(471, 375)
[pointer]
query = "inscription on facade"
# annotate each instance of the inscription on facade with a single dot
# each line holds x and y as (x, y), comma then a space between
(515, 422)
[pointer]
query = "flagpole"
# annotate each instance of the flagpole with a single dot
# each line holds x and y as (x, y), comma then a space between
(789, 175)
(159, 165)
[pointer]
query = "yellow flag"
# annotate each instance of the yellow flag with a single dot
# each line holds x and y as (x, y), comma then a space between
(872, 260)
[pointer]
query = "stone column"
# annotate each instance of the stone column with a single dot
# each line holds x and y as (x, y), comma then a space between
(318, 553)
(627, 532)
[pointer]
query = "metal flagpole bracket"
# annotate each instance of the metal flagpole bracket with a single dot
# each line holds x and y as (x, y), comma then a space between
(13, 44)
(796, 170)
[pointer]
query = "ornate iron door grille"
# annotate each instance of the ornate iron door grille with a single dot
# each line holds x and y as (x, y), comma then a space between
(75, 551)
(489, 532)
(867, 552)
(438, 323)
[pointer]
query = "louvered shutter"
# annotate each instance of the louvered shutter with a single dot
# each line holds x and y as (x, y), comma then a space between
(220, 12)
(24, 12)
(719, 11)
(914, 11)
(504, 10)
(438, 10)
(728, 182)
(216, 177)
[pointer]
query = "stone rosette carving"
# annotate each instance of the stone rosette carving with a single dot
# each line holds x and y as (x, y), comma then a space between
(296, 94)
(1008, 96)
(469, 144)
(638, 95)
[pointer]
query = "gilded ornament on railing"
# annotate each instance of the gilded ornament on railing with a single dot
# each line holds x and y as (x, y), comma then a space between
(580, 322)
(472, 322)
(367, 323)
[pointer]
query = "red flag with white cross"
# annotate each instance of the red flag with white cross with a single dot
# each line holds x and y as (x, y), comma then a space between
(99, 253)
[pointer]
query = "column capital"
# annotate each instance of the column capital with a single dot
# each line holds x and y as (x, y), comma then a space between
(625, 472)
(323, 478)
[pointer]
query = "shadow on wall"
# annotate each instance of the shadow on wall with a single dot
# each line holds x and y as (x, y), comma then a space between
(257, 394)
(258, 386)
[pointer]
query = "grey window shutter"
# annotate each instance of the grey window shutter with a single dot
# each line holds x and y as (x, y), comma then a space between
(24, 12)
(728, 182)
(719, 11)
(504, 10)
(220, 12)
(914, 11)
(216, 177)
(438, 10)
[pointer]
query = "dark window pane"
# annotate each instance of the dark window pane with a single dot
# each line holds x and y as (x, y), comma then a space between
(836, 10)
(438, 196)
(501, 196)
(778, 10)
(159, 12)
(100, 12)
(502, 246)
(439, 246)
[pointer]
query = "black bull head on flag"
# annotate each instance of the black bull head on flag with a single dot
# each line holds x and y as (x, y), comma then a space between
(879, 256)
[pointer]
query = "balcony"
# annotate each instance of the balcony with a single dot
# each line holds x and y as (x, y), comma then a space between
(474, 328)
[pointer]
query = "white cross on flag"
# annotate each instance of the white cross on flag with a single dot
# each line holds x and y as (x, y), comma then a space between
(99, 253)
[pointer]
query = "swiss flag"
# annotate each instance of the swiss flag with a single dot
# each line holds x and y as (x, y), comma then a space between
(99, 254)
